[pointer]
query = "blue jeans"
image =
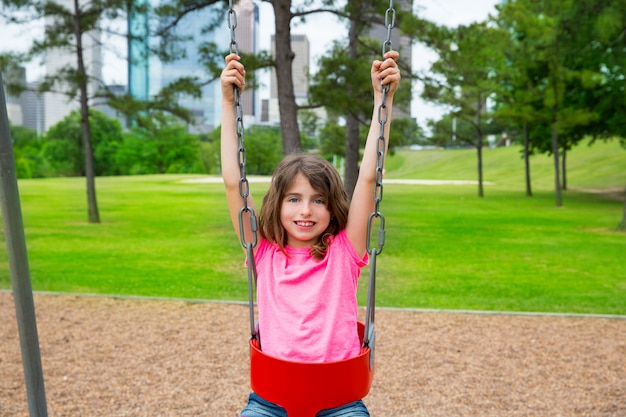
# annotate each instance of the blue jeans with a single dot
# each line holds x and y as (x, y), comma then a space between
(258, 407)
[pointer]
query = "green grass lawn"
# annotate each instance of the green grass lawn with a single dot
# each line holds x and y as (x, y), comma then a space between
(445, 247)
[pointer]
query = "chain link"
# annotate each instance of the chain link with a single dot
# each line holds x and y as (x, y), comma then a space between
(369, 337)
(383, 115)
(232, 25)
(242, 157)
(244, 185)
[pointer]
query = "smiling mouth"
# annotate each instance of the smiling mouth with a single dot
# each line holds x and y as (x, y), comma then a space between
(304, 224)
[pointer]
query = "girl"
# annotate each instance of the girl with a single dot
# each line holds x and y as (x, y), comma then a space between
(313, 243)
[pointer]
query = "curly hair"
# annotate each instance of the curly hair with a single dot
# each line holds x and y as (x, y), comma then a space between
(325, 179)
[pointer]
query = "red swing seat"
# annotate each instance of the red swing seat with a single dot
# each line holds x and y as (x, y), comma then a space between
(304, 389)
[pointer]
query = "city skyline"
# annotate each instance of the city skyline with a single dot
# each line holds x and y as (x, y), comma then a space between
(321, 30)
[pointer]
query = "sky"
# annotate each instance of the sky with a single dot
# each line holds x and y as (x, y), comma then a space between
(321, 30)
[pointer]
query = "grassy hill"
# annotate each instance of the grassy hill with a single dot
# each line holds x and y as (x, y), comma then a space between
(601, 165)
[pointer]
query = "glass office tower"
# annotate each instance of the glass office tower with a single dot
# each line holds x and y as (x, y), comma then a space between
(147, 75)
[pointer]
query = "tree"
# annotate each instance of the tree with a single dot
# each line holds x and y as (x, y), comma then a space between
(351, 101)
(576, 49)
(517, 101)
(359, 12)
(347, 65)
(283, 62)
(464, 78)
(361, 15)
(68, 26)
(74, 27)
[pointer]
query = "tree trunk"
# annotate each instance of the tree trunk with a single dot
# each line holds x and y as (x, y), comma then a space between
(564, 168)
(352, 123)
(529, 192)
(351, 171)
(479, 153)
(622, 225)
(92, 204)
(555, 152)
(479, 148)
(284, 77)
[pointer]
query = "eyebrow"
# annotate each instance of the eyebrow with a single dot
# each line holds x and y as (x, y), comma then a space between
(294, 194)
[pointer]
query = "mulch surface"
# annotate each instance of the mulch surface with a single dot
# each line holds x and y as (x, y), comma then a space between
(129, 357)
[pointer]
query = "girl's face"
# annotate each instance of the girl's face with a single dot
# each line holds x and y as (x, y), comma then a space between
(304, 213)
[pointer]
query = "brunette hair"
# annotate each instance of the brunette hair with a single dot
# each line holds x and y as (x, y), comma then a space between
(325, 179)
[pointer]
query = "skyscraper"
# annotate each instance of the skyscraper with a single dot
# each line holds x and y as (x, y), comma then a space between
(300, 73)
(148, 75)
(33, 108)
(300, 67)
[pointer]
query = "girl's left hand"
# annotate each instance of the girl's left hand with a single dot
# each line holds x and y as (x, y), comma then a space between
(386, 73)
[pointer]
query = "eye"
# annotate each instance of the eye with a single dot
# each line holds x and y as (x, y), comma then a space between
(292, 199)
(319, 201)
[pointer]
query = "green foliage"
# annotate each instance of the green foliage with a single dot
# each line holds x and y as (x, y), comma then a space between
(332, 140)
(464, 77)
(63, 158)
(63, 148)
(263, 149)
(405, 132)
(26, 151)
(337, 69)
(159, 148)
(449, 132)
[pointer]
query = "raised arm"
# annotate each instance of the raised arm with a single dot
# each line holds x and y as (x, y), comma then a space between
(233, 74)
(362, 204)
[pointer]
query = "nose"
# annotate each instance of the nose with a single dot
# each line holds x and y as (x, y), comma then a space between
(305, 209)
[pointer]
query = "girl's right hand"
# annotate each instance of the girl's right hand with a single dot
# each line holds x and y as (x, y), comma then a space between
(233, 74)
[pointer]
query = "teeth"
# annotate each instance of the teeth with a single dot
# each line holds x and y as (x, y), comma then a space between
(304, 223)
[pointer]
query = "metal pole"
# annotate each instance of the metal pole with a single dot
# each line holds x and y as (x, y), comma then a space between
(18, 264)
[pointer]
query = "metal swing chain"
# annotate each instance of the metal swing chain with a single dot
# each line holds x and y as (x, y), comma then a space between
(383, 113)
(244, 190)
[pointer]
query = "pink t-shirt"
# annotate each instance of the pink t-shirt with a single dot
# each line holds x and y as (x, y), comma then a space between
(308, 308)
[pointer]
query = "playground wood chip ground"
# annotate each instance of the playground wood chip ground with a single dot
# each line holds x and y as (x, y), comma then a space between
(128, 357)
